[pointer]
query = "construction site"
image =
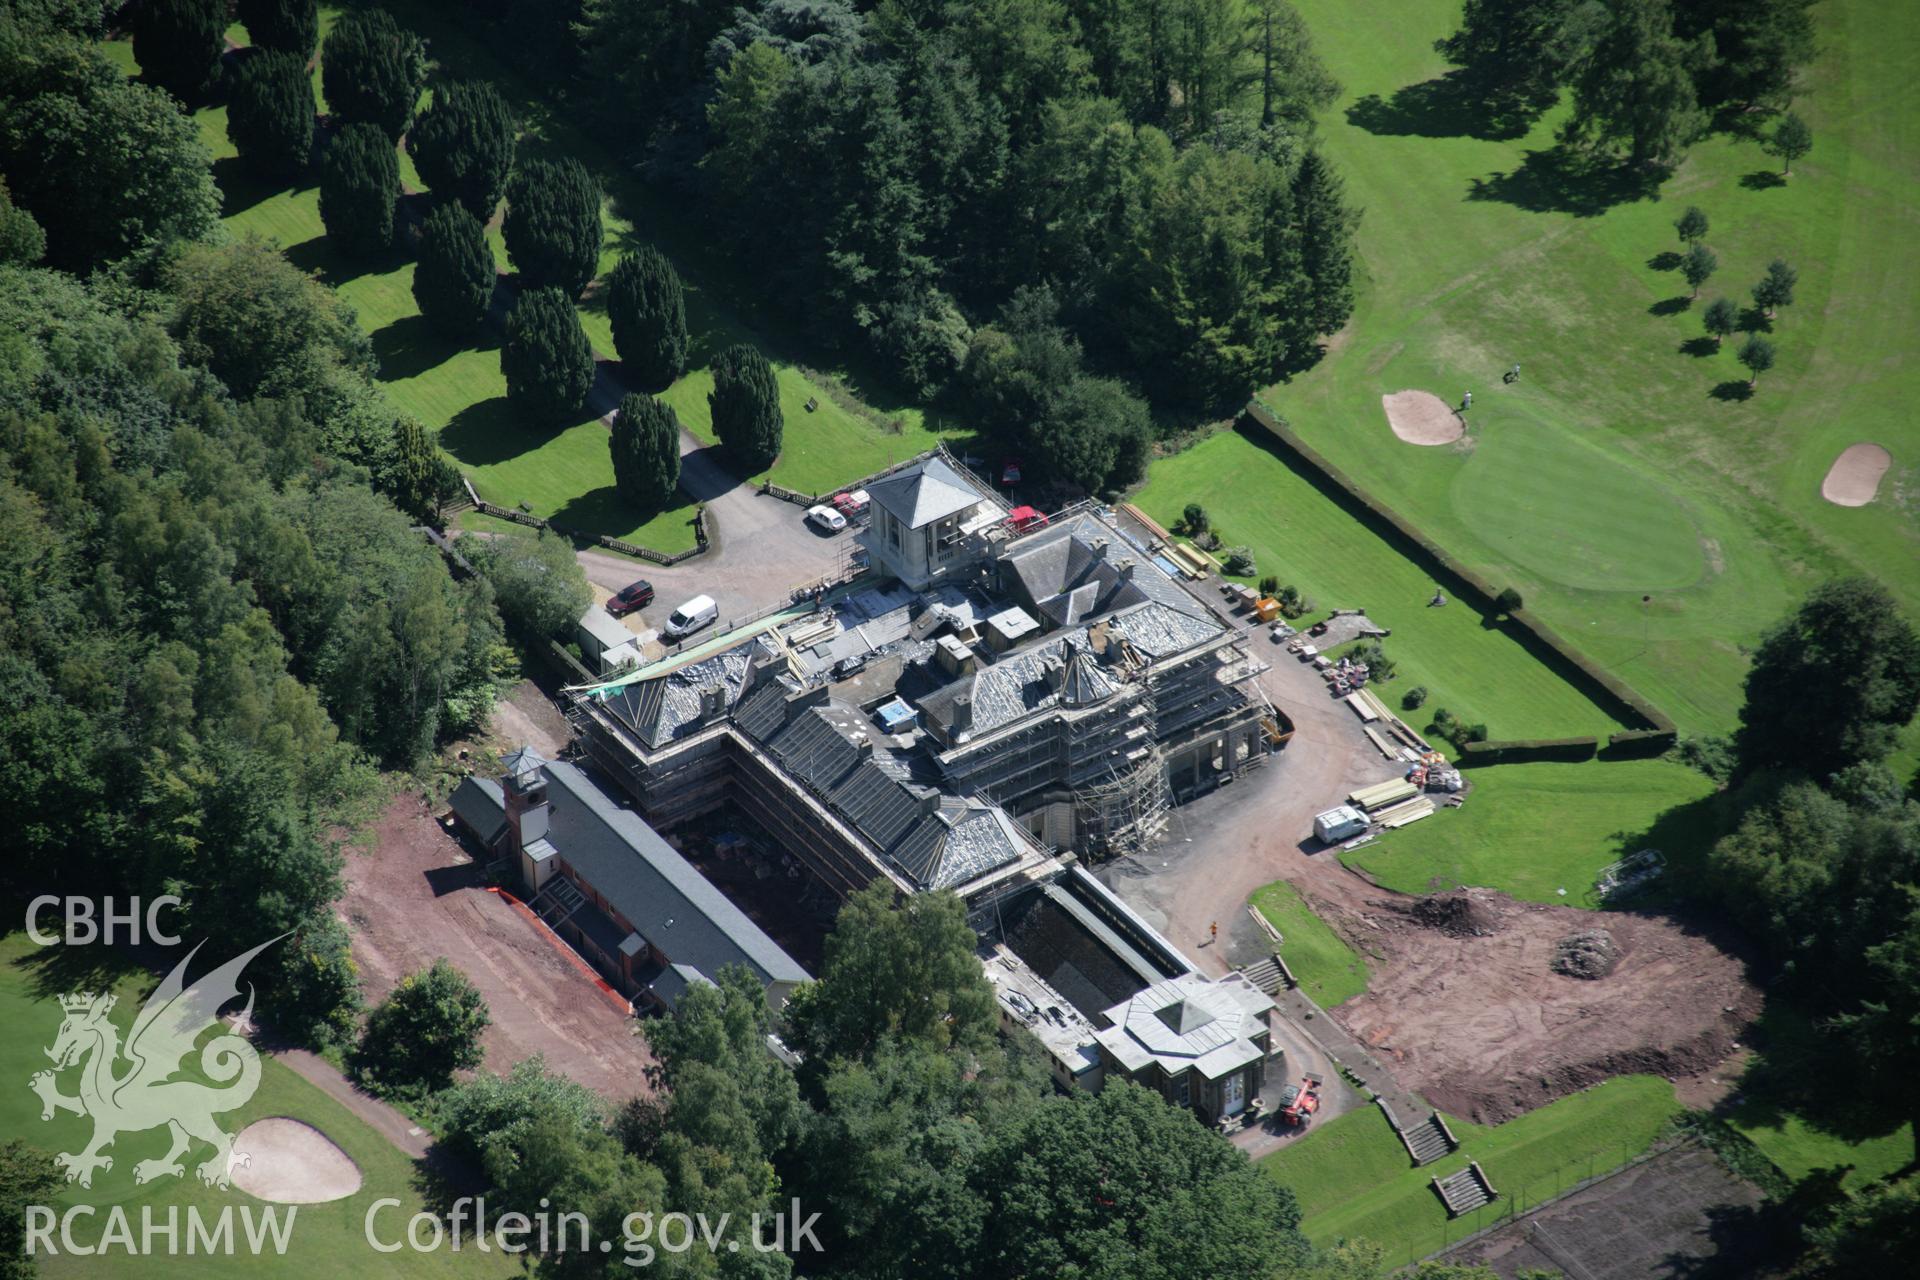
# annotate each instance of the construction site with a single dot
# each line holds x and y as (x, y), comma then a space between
(977, 702)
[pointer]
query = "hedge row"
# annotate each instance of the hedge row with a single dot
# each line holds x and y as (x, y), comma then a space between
(1642, 742)
(1521, 750)
(1654, 725)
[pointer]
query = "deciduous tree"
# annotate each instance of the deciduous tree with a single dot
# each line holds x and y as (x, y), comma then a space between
(1791, 139)
(898, 970)
(21, 239)
(552, 226)
(359, 186)
(1692, 225)
(421, 1034)
(145, 171)
(463, 144)
(646, 451)
(1756, 353)
(546, 358)
(372, 71)
(1832, 683)
(270, 115)
(1775, 290)
(745, 402)
(648, 310)
(537, 582)
(1720, 319)
(1698, 266)
(454, 279)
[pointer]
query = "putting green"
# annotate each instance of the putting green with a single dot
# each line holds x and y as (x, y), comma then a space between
(1562, 508)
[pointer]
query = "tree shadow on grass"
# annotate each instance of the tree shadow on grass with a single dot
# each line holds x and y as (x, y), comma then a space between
(488, 432)
(1440, 108)
(606, 511)
(1667, 261)
(1559, 181)
(1763, 180)
(1670, 306)
(56, 970)
(1733, 391)
(320, 254)
(411, 345)
(1792, 1050)
(241, 188)
(1754, 320)
(1699, 348)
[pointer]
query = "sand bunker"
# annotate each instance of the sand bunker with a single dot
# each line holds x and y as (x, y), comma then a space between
(1854, 477)
(291, 1162)
(1420, 417)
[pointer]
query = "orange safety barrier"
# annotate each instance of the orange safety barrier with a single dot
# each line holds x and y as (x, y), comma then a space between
(568, 953)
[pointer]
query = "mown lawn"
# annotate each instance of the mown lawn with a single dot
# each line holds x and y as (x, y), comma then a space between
(1533, 830)
(1657, 525)
(326, 1239)
(1338, 1160)
(1326, 967)
(1354, 1179)
(1307, 539)
(824, 448)
(456, 388)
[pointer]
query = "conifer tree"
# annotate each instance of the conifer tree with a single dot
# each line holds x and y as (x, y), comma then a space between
(648, 309)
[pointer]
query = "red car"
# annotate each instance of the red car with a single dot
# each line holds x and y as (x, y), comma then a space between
(851, 504)
(635, 595)
(1010, 471)
(1026, 519)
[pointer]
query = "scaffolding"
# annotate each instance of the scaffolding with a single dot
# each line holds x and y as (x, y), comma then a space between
(1126, 810)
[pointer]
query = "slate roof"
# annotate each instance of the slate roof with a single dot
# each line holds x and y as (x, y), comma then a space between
(662, 708)
(1018, 685)
(1065, 560)
(481, 807)
(928, 490)
(659, 892)
(936, 841)
(963, 840)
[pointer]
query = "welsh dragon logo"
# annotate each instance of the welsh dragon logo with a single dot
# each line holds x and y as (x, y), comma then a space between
(142, 1095)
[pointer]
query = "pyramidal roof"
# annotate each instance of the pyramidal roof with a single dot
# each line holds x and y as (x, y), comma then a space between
(1183, 1017)
(522, 762)
(928, 490)
(1084, 682)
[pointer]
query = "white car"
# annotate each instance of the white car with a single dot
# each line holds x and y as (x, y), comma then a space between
(826, 519)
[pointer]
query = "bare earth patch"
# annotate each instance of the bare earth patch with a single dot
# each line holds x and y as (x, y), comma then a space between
(1854, 477)
(291, 1162)
(1474, 1014)
(1420, 417)
(418, 896)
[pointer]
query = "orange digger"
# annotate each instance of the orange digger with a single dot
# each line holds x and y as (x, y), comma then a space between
(1298, 1102)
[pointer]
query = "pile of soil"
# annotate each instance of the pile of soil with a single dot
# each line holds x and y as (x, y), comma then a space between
(1592, 954)
(1457, 915)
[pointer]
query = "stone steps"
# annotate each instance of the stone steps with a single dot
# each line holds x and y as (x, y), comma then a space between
(1465, 1191)
(1265, 975)
(1429, 1140)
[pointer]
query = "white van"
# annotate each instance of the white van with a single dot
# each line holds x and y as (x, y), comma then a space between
(691, 616)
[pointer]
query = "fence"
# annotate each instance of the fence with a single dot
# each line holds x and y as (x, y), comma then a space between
(667, 558)
(1516, 1202)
